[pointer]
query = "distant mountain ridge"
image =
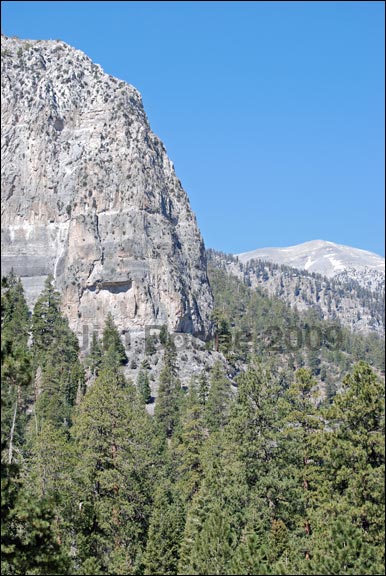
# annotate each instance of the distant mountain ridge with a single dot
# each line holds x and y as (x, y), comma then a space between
(320, 256)
(354, 295)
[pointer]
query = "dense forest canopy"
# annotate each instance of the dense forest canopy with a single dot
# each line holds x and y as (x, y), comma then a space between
(269, 462)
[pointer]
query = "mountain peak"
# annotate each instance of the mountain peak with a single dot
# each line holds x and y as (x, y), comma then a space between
(320, 256)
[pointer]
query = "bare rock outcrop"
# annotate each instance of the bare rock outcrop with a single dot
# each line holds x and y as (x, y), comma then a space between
(90, 196)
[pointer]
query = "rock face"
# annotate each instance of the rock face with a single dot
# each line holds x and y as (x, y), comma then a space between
(90, 196)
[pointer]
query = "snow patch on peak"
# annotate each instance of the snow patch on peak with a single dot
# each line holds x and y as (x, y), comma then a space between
(309, 263)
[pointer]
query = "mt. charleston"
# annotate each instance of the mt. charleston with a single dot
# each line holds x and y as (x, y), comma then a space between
(322, 257)
(338, 282)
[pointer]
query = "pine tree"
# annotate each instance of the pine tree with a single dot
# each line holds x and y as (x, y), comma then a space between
(203, 387)
(252, 445)
(94, 357)
(62, 377)
(117, 468)
(55, 349)
(250, 557)
(188, 446)
(62, 380)
(169, 392)
(15, 322)
(143, 386)
(341, 549)
(112, 339)
(354, 458)
(253, 424)
(299, 456)
(46, 320)
(213, 547)
(165, 532)
(163, 335)
(16, 371)
(222, 332)
(49, 475)
(215, 517)
(217, 405)
(28, 543)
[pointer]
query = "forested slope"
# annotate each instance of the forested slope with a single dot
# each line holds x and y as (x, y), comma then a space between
(261, 478)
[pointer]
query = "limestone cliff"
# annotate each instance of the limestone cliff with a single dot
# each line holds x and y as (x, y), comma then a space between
(90, 196)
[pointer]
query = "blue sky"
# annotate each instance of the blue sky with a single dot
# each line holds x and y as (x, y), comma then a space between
(272, 112)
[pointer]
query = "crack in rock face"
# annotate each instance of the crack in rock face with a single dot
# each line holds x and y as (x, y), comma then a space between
(90, 196)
